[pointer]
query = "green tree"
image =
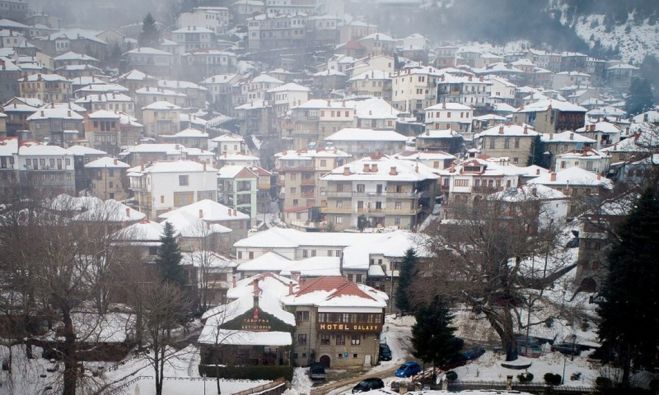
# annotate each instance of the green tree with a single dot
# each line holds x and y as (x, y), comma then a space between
(432, 335)
(407, 269)
(629, 328)
(150, 36)
(640, 97)
(169, 258)
(539, 158)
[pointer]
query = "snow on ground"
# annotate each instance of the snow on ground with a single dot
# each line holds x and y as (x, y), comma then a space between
(301, 383)
(397, 333)
(488, 368)
(134, 375)
(642, 39)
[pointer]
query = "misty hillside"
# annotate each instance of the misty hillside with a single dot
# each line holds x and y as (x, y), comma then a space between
(600, 28)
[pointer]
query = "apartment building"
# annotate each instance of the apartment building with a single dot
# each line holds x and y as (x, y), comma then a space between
(475, 92)
(215, 19)
(510, 141)
(108, 179)
(49, 88)
(163, 186)
(161, 118)
(414, 89)
(301, 187)
(454, 116)
(315, 120)
(47, 169)
(238, 188)
(379, 192)
(559, 143)
(374, 83)
(551, 116)
(57, 124)
(363, 142)
(586, 158)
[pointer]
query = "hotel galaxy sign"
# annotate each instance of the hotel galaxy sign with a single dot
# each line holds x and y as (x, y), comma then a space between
(341, 327)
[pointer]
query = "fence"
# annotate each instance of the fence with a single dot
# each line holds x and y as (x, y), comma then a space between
(527, 387)
(276, 387)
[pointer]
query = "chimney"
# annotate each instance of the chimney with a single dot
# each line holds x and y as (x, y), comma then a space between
(290, 288)
(68, 113)
(537, 172)
(571, 136)
(42, 113)
(374, 167)
(393, 171)
(204, 166)
(115, 162)
(501, 129)
(599, 177)
(552, 176)
(201, 213)
(127, 212)
(526, 129)
(233, 281)
(551, 136)
(296, 276)
(346, 170)
(229, 211)
(367, 168)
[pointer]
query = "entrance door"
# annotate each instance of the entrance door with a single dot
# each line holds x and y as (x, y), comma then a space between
(325, 361)
(367, 360)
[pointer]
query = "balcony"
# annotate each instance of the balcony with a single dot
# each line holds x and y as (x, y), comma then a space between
(485, 189)
(336, 210)
(308, 181)
(336, 194)
(283, 169)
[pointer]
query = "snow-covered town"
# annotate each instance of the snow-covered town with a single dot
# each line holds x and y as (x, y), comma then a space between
(308, 197)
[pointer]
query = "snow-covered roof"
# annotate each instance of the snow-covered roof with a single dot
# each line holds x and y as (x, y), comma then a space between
(356, 134)
(651, 116)
(508, 130)
(177, 84)
(148, 51)
(80, 150)
(573, 176)
(264, 78)
(377, 37)
(135, 75)
(372, 75)
(544, 105)
(210, 335)
(104, 114)
(329, 292)
(586, 153)
(232, 171)
(528, 192)
(161, 106)
(106, 162)
(109, 210)
(75, 56)
(385, 168)
(310, 153)
(144, 232)
(209, 210)
(189, 132)
(290, 87)
(44, 77)
(449, 106)
(439, 134)
(374, 108)
(104, 97)
(423, 155)
(193, 29)
(43, 150)
(566, 137)
(602, 127)
(207, 259)
(192, 225)
(392, 245)
(229, 137)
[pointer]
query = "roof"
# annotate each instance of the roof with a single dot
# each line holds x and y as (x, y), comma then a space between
(439, 134)
(391, 245)
(374, 108)
(290, 87)
(44, 77)
(336, 292)
(264, 78)
(385, 168)
(43, 149)
(148, 51)
(75, 56)
(423, 155)
(178, 166)
(449, 106)
(508, 130)
(109, 210)
(192, 225)
(283, 238)
(355, 134)
(82, 150)
(161, 106)
(566, 137)
(528, 192)
(544, 105)
(228, 137)
(372, 75)
(209, 210)
(573, 176)
(211, 333)
(603, 127)
(311, 153)
(144, 231)
(106, 162)
(104, 114)
(189, 132)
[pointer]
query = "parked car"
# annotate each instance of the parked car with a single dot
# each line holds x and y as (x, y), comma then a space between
(408, 369)
(317, 372)
(473, 353)
(369, 384)
(566, 348)
(385, 352)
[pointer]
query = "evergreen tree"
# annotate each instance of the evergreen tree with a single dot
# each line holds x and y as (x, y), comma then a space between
(629, 328)
(432, 335)
(150, 36)
(169, 258)
(539, 158)
(640, 97)
(404, 280)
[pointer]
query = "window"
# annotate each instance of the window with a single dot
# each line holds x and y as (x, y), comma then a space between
(340, 340)
(251, 255)
(361, 188)
(183, 180)
(506, 143)
(324, 339)
(355, 355)
(491, 139)
(305, 253)
(355, 340)
(516, 142)
(302, 339)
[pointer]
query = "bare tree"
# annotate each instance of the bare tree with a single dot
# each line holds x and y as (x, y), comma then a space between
(482, 260)
(164, 310)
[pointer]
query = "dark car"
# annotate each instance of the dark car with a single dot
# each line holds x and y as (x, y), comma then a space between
(408, 369)
(567, 348)
(317, 372)
(369, 384)
(473, 353)
(385, 352)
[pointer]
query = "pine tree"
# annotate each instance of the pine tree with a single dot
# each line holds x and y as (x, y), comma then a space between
(640, 97)
(150, 36)
(629, 328)
(404, 280)
(432, 335)
(169, 258)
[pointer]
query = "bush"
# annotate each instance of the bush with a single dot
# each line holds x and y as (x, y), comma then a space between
(553, 379)
(451, 376)
(525, 377)
(603, 382)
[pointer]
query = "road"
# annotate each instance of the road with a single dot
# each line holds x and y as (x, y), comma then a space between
(347, 384)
